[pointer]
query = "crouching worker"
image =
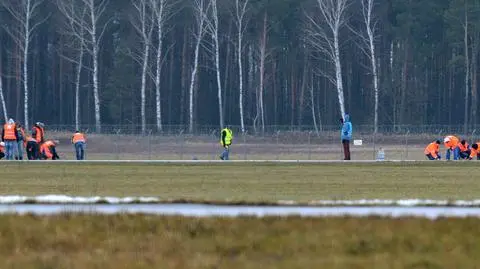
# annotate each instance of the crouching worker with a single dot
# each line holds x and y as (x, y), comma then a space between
(31, 147)
(451, 143)
(2, 150)
(463, 149)
(432, 151)
(474, 152)
(48, 150)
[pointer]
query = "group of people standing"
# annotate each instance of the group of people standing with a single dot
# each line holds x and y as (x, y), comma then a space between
(460, 149)
(15, 140)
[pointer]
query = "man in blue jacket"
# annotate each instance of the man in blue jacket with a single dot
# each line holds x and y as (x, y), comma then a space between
(346, 136)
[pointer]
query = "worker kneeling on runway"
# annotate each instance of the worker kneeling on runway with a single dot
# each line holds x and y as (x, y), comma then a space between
(432, 151)
(474, 152)
(464, 149)
(451, 143)
(48, 150)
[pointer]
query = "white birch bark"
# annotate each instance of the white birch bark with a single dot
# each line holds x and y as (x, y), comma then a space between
(324, 36)
(77, 87)
(143, 23)
(2, 99)
(23, 13)
(200, 10)
(240, 10)
(213, 29)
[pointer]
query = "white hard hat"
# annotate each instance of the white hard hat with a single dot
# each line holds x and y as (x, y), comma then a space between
(2, 144)
(446, 140)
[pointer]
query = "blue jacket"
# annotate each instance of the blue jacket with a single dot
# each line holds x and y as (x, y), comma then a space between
(346, 133)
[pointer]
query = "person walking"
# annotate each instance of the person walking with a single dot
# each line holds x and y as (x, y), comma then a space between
(10, 136)
(20, 142)
(346, 136)
(226, 142)
(79, 141)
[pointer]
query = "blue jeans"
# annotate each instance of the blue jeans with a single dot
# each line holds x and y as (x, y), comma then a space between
(456, 153)
(80, 150)
(10, 146)
(19, 151)
(225, 154)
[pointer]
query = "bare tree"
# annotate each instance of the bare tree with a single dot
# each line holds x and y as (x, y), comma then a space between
(23, 12)
(77, 35)
(2, 99)
(467, 68)
(368, 46)
(212, 27)
(143, 22)
(200, 9)
(260, 115)
(91, 23)
(240, 11)
(325, 38)
(162, 11)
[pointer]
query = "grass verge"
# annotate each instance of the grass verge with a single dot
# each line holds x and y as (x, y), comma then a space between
(245, 182)
(139, 241)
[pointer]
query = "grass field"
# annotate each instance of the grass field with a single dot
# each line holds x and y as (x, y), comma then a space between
(136, 241)
(246, 182)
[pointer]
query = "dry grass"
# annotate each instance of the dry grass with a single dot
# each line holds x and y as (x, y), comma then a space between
(136, 241)
(249, 182)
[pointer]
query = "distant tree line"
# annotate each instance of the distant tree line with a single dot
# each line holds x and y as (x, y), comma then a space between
(239, 62)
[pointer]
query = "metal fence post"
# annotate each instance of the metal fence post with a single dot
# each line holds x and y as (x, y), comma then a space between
(149, 144)
(181, 144)
(278, 143)
(117, 152)
(309, 145)
(245, 145)
(406, 144)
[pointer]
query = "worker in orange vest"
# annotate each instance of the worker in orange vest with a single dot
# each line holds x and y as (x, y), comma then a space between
(451, 143)
(474, 152)
(20, 142)
(9, 136)
(79, 141)
(38, 132)
(463, 149)
(432, 150)
(31, 146)
(48, 150)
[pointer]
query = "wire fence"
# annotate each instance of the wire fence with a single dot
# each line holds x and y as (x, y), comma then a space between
(126, 142)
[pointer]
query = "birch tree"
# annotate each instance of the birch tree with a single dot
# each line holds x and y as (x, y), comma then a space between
(91, 22)
(325, 38)
(212, 27)
(240, 11)
(76, 33)
(368, 39)
(23, 12)
(163, 10)
(200, 10)
(2, 99)
(144, 24)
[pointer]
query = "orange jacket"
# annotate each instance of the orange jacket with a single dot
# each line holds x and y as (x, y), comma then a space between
(433, 149)
(45, 149)
(463, 148)
(453, 143)
(2, 149)
(9, 131)
(78, 137)
(39, 134)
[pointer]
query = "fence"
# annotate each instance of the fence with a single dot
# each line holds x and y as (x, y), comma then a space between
(272, 143)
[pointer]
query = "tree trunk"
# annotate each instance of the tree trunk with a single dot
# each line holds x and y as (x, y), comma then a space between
(263, 45)
(467, 71)
(338, 72)
(77, 88)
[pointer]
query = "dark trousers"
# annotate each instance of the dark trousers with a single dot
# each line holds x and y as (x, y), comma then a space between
(465, 154)
(32, 150)
(2, 155)
(346, 149)
(430, 157)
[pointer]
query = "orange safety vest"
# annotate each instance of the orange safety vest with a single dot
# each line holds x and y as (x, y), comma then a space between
(433, 149)
(2, 149)
(453, 143)
(78, 137)
(39, 136)
(9, 131)
(45, 149)
(463, 148)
